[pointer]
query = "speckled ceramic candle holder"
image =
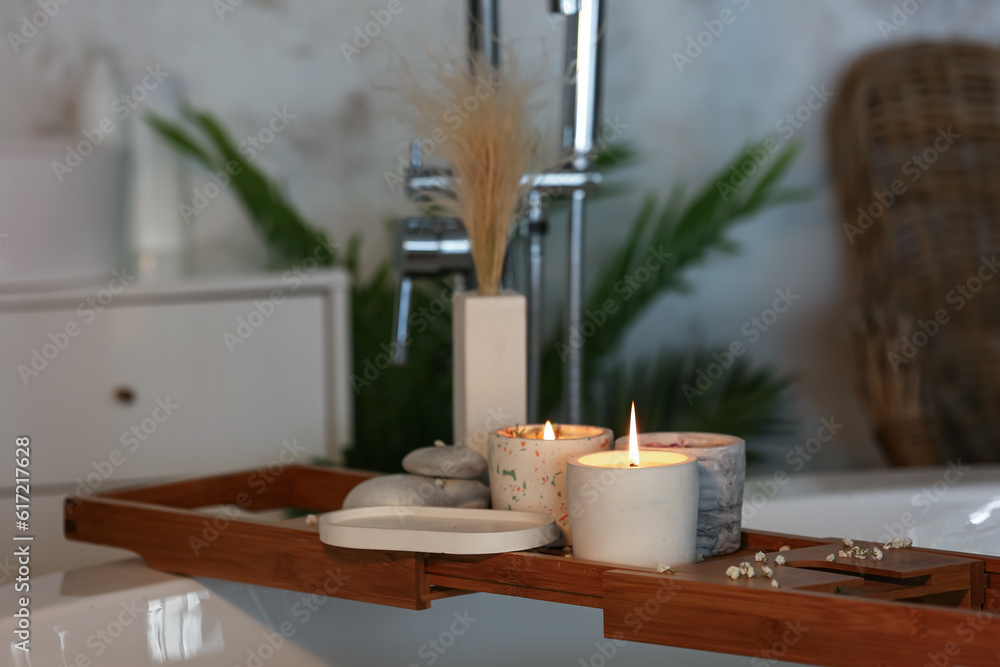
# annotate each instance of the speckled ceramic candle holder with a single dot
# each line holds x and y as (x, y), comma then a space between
(529, 473)
(721, 474)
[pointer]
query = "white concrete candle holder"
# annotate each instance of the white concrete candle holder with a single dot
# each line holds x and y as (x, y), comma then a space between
(490, 366)
(643, 516)
(722, 471)
(529, 473)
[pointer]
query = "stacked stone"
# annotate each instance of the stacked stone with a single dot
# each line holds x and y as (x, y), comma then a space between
(439, 476)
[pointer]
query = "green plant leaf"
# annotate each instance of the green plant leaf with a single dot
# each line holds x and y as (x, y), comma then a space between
(290, 238)
(400, 408)
(682, 236)
(180, 139)
(744, 401)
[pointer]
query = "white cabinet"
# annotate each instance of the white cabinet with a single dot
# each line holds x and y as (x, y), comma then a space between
(165, 381)
(193, 379)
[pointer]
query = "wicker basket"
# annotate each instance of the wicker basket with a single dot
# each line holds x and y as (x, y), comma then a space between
(914, 142)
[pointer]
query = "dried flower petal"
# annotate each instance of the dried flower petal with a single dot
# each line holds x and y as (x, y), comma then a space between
(785, 547)
(733, 572)
(848, 542)
(877, 554)
(843, 554)
(907, 543)
(760, 557)
(767, 572)
(832, 557)
(774, 583)
(779, 560)
(897, 543)
(664, 568)
(859, 553)
(311, 520)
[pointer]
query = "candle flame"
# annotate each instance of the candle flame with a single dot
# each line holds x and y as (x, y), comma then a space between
(549, 433)
(633, 441)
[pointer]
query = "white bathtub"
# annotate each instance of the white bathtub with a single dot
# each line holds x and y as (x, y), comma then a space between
(126, 614)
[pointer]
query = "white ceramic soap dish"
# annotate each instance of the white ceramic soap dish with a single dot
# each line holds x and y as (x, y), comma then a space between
(440, 530)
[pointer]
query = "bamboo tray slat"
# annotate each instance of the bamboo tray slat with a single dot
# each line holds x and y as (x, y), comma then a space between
(912, 606)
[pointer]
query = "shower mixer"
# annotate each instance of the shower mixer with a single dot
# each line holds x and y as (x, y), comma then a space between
(427, 247)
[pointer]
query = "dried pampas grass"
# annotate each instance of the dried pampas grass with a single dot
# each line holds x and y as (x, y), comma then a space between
(478, 120)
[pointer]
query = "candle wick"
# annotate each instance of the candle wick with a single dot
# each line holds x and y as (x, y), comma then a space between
(633, 465)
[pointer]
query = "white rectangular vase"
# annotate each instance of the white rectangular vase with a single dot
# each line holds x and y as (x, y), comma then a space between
(490, 365)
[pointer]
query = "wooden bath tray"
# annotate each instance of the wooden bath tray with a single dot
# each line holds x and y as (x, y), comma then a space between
(915, 607)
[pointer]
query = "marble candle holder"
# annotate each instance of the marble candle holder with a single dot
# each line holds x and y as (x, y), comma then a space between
(529, 473)
(721, 473)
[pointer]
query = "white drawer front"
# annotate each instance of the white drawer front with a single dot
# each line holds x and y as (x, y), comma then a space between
(200, 405)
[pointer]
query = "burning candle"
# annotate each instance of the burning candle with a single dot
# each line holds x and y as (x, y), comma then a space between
(527, 466)
(634, 508)
(721, 473)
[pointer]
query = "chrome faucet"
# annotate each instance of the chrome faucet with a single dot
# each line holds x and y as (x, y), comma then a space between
(427, 247)
(581, 105)
(421, 241)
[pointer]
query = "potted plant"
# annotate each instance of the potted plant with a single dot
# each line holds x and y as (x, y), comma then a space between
(479, 121)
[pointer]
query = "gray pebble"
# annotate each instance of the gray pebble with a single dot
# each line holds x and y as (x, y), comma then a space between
(453, 462)
(419, 491)
(468, 493)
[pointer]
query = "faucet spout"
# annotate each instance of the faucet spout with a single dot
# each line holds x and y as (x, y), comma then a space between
(425, 248)
(582, 95)
(581, 106)
(484, 31)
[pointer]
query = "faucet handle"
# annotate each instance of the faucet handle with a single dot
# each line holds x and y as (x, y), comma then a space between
(564, 7)
(416, 155)
(401, 320)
